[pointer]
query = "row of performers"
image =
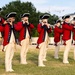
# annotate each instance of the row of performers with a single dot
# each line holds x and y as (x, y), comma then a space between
(24, 27)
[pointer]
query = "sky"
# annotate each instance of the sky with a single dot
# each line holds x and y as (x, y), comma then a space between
(58, 7)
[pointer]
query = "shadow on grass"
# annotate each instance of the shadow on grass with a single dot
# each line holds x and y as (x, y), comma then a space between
(32, 57)
(51, 57)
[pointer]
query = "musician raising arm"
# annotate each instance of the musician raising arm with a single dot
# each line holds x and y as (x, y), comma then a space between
(9, 40)
(57, 35)
(67, 28)
(43, 29)
(24, 27)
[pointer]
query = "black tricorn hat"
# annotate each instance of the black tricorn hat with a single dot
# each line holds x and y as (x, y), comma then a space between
(65, 17)
(25, 15)
(12, 14)
(58, 21)
(68, 16)
(45, 16)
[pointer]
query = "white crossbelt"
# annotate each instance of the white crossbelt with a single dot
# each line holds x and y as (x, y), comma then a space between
(46, 36)
(27, 33)
(12, 38)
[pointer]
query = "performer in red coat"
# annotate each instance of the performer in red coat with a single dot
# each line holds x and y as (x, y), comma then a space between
(43, 29)
(67, 28)
(73, 22)
(9, 40)
(73, 30)
(74, 35)
(24, 27)
(57, 35)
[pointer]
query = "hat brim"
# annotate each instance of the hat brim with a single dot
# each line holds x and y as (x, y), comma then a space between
(12, 14)
(25, 15)
(66, 17)
(45, 16)
(58, 21)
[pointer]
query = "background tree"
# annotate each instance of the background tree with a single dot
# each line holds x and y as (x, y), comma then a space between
(25, 7)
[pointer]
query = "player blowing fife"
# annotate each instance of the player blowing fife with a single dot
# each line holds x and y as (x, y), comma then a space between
(67, 29)
(57, 35)
(24, 27)
(9, 40)
(73, 22)
(43, 29)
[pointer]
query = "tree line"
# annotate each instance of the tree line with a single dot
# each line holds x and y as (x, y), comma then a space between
(26, 7)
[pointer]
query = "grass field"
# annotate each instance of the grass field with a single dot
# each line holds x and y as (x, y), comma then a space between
(53, 66)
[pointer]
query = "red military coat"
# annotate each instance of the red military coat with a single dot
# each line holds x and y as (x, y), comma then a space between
(74, 34)
(22, 29)
(57, 33)
(67, 28)
(6, 29)
(42, 33)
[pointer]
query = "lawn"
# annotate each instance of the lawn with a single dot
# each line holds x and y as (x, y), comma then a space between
(53, 66)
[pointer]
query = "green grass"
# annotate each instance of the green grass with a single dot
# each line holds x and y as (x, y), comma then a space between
(53, 66)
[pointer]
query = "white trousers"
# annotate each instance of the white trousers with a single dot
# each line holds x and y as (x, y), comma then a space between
(46, 43)
(9, 53)
(57, 50)
(24, 50)
(74, 49)
(45, 53)
(66, 51)
(42, 53)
